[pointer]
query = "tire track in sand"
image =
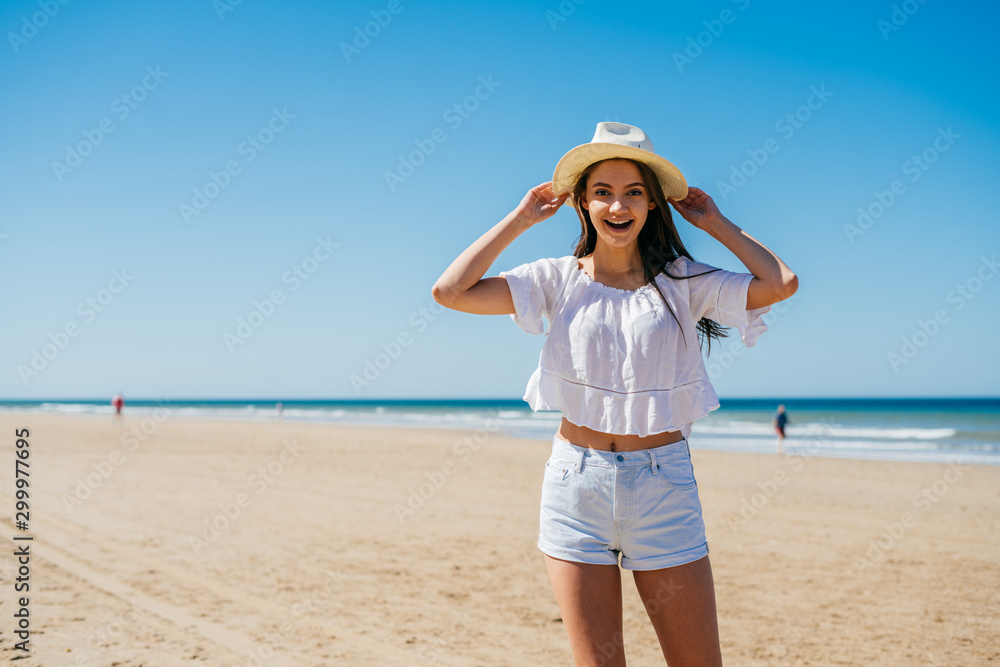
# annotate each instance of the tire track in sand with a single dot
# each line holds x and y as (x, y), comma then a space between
(59, 542)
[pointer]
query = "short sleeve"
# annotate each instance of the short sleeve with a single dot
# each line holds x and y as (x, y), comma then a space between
(721, 295)
(531, 287)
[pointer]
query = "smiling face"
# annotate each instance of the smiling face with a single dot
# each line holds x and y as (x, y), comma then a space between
(618, 202)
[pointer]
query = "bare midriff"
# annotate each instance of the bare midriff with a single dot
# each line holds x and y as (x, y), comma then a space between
(610, 442)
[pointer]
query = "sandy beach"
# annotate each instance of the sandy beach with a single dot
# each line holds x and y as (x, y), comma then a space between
(172, 541)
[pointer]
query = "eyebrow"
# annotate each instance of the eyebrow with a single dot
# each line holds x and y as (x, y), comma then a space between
(630, 185)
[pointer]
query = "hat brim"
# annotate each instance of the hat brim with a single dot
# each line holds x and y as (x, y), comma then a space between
(572, 164)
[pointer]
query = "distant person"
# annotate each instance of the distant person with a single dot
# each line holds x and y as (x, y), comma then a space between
(779, 421)
(119, 403)
(278, 409)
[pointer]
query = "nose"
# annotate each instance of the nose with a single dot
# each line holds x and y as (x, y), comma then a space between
(618, 206)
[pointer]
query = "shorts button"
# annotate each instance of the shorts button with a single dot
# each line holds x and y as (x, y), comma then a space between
(620, 457)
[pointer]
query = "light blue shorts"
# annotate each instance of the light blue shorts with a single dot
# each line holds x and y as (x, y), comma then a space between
(641, 505)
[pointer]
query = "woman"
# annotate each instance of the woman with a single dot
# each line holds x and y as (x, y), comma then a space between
(621, 362)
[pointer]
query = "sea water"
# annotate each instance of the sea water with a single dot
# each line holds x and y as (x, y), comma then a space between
(907, 429)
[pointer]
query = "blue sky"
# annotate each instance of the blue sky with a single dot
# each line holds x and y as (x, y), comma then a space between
(170, 168)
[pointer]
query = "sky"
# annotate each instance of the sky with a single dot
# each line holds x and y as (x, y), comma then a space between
(253, 199)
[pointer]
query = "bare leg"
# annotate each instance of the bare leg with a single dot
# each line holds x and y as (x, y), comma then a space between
(680, 602)
(590, 601)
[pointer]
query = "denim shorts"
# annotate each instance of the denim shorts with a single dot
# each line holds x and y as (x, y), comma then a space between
(641, 505)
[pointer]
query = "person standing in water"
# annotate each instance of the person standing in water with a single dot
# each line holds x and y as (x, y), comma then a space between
(622, 361)
(119, 402)
(779, 421)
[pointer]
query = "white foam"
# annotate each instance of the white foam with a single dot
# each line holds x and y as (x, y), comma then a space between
(817, 429)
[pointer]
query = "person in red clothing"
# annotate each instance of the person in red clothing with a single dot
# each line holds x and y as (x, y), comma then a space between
(119, 403)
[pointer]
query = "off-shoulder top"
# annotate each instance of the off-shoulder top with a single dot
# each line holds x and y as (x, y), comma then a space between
(615, 360)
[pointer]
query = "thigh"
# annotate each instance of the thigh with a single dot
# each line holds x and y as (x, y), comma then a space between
(680, 602)
(590, 602)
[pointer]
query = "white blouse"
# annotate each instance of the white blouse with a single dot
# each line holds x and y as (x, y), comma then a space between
(615, 360)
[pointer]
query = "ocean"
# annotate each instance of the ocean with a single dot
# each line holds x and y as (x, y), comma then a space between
(961, 430)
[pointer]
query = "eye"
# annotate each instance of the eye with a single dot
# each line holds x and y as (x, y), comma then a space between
(603, 192)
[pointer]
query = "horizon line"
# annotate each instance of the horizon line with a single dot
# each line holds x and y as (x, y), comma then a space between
(480, 399)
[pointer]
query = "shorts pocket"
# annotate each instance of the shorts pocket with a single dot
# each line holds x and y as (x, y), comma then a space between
(557, 472)
(678, 472)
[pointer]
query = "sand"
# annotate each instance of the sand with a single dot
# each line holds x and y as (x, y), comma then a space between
(220, 542)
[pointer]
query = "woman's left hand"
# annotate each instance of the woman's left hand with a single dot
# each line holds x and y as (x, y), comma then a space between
(697, 208)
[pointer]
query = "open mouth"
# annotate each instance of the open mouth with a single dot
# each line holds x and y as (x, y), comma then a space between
(620, 226)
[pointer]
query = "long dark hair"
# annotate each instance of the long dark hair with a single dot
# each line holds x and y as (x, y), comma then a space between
(659, 244)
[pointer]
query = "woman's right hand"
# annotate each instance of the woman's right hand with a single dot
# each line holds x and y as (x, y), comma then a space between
(540, 203)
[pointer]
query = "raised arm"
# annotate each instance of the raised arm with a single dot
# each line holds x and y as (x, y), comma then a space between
(462, 286)
(773, 280)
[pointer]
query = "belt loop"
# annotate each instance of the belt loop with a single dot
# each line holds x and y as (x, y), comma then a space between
(652, 458)
(579, 460)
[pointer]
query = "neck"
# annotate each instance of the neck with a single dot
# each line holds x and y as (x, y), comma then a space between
(617, 260)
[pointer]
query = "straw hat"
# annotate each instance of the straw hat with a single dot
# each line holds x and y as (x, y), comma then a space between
(613, 140)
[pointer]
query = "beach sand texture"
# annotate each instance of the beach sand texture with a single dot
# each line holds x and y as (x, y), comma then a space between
(311, 562)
